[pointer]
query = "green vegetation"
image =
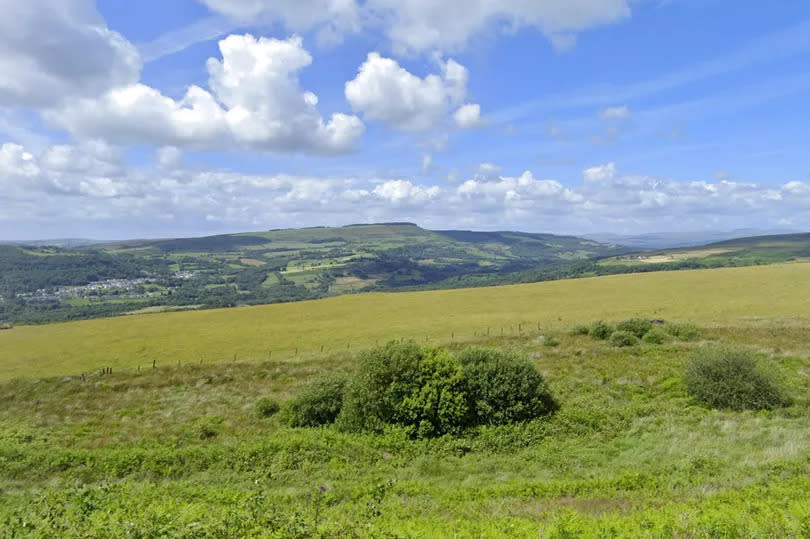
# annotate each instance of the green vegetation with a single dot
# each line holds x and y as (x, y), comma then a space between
(656, 336)
(724, 377)
(318, 404)
(622, 338)
(684, 332)
(181, 452)
(600, 331)
(635, 326)
(504, 387)
(423, 390)
(266, 407)
(40, 284)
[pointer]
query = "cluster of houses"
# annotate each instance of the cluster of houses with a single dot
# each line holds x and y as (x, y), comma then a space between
(118, 288)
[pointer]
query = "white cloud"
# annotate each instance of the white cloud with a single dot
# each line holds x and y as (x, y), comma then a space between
(420, 26)
(168, 157)
(615, 113)
(600, 173)
(468, 116)
(385, 91)
(297, 15)
(255, 102)
(405, 192)
(55, 49)
(65, 188)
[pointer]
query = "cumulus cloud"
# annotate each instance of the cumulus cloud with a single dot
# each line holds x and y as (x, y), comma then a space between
(62, 187)
(419, 26)
(468, 116)
(385, 91)
(600, 173)
(254, 101)
(51, 50)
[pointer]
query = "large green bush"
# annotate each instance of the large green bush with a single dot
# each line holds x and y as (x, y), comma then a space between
(504, 387)
(637, 326)
(420, 388)
(318, 404)
(730, 378)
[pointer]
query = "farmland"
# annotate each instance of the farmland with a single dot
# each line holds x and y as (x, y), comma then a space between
(178, 450)
(47, 283)
(738, 295)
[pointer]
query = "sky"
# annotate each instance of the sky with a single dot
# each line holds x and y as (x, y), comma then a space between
(192, 117)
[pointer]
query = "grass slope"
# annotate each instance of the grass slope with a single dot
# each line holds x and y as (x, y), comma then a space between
(706, 296)
(179, 452)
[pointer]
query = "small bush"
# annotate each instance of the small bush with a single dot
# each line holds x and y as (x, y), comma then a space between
(420, 388)
(637, 326)
(209, 428)
(504, 387)
(318, 404)
(623, 338)
(656, 336)
(729, 378)
(550, 341)
(580, 330)
(600, 331)
(684, 332)
(266, 407)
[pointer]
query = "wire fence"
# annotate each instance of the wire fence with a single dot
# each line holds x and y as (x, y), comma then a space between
(520, 330)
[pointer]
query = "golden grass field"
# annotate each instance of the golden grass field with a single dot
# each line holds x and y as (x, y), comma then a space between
(727, 296)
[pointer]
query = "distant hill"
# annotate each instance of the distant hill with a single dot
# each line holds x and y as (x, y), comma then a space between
(43, 283)
(747, 251)
(669, 240)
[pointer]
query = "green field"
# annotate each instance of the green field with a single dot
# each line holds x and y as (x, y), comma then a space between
(721, 296)
(178, 450)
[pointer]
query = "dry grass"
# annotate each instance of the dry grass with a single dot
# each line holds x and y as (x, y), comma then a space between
(731, 297)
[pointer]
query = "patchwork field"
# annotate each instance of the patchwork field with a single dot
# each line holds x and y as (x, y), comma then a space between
(179, 450)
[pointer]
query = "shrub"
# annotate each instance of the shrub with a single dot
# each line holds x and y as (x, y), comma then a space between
(580, 330)
(318, 404)
(601, 331)
(504, 387)
(265, 407)
(623, 338)
(729, 378)
(420, 388)
(684, 332)
(209, 428)
(637, 326)
(550, 341)
(656, 336)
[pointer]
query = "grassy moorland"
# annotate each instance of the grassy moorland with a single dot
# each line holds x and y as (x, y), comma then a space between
(721, 296)
(180, 451)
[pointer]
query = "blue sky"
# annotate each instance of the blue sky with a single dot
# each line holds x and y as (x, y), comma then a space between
(189, 117)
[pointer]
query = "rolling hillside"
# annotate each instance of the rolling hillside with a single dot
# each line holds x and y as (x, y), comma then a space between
(50, 283)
